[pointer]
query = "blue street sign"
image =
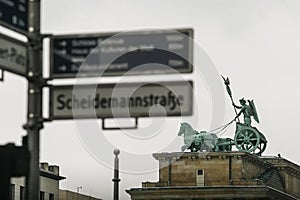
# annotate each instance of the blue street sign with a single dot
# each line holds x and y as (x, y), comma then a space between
(14, 14)
(140, 52)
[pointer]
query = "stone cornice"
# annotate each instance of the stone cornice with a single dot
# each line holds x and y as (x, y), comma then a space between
(208, 191)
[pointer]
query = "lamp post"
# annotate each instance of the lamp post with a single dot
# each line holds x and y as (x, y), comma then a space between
(116, 179)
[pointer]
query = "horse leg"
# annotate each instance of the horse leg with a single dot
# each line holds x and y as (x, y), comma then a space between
(216, 148)
(184, 147)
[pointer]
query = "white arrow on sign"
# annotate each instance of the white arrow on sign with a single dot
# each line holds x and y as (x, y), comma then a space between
(62, 52)
(62, 68)
(63, 43)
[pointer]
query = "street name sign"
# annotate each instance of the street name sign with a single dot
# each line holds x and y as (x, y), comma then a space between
(121, 100)
(13, 55)
(14, 14)
(140, 52)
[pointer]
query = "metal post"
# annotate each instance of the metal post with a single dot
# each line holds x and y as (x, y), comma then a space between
(34, 100)
(116, 179)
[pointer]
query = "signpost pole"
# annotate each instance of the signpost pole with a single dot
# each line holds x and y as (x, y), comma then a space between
(34, 112)
(116, 178)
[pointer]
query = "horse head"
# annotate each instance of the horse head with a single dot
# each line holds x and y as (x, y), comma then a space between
(181, 129)
(185, 128)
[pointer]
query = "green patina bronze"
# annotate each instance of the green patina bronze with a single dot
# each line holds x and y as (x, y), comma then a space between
(203, 140)
(247, 138)
(248, 110)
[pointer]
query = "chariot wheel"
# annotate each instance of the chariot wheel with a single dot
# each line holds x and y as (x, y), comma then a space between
(247, 139)
(261, 148)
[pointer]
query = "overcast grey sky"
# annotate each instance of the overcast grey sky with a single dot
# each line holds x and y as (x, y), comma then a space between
(255, 43)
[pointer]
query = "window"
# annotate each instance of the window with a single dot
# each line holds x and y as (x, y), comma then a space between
(200, 171)
(22, 193)
(200, 177)
(51, 196)
(42, 195)
(12, 191)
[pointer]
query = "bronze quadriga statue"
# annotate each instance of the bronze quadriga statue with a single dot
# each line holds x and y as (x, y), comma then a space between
(247, 138)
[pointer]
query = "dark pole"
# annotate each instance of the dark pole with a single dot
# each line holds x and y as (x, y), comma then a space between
(34, 100)
(116, 179)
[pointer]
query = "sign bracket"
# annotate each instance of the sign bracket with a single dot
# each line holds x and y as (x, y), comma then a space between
(119, 128)
(47, 120)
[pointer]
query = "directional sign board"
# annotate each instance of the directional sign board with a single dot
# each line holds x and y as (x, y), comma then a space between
(121, 100)
(13, 55)
(142, 52)
(14, 14)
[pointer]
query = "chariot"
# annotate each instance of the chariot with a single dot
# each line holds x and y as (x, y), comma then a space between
(249, 139)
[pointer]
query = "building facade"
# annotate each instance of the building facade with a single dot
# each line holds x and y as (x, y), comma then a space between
(221, 175)
(69, 195)
(49, 184)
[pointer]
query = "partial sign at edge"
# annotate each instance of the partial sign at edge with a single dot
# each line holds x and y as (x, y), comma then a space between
(13, 55)
(14, 15)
